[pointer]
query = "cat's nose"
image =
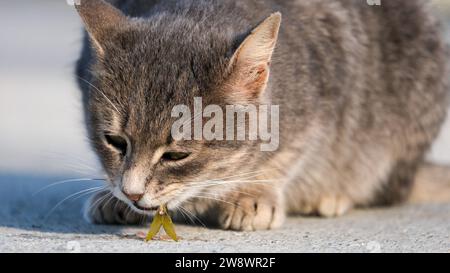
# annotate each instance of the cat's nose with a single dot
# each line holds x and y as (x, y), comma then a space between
(133, 197)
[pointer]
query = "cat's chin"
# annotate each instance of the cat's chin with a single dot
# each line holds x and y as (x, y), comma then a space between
(144, 209)
(141, 210)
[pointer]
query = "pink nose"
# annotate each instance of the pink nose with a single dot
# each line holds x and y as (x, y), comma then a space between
(133, 197)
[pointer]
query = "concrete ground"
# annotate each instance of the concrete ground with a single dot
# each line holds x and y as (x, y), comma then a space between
(42, 141)
(27, 224)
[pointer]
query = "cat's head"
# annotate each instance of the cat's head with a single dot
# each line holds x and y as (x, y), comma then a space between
(145, 67)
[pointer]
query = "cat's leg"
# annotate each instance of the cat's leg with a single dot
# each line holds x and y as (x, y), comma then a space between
(326, 205)
(305, 199)
(259, 207)
(104, 208)
(334, 205)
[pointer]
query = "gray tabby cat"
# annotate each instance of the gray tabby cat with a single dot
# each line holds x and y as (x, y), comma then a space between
(362, 91)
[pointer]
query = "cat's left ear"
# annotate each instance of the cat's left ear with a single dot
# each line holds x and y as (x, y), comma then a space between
(101, 20)
(249, 67)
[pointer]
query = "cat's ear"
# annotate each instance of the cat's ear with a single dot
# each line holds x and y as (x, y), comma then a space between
(250, 64)
(101, 20)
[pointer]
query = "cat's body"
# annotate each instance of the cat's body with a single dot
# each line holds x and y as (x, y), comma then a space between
(362, 92)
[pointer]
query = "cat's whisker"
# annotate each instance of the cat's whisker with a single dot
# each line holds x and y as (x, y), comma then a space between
(210, 182)
(117, 203)
(128, 211)
(224, 179)
(80, 164)
(79, 169)
(187, 212)
(241, 176)
(97, 89)
(206, 184)
(99, 201)
(184, 214)
(67, 198)
(239, 192)
(90, 192)
(193, 215)
(67, 181)
(214, 198)
(109, 200)
(74, 163)
(65, 156)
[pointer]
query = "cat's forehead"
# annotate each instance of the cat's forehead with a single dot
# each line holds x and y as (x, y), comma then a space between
(152, 69)
(169, 58)
(155, 73)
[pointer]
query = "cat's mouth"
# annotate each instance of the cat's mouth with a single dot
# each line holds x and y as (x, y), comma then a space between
(134, 205)
(150, 209)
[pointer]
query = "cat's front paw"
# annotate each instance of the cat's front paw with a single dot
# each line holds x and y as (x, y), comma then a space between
(255, 210)
(105, 209)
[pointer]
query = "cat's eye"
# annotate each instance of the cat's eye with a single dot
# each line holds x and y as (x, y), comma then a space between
(174, 156)
(117, 142)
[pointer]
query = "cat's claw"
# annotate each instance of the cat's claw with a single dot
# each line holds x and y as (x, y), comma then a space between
(105, 209)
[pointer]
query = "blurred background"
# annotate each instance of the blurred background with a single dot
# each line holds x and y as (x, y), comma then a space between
(40, 113)
(42, 137)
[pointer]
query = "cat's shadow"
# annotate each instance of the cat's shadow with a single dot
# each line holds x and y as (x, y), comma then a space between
(27, 204)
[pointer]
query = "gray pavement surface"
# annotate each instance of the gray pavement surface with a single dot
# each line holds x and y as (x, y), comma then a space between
(42, 140)
(27, 226)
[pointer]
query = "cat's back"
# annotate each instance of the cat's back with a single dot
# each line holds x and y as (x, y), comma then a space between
(392, 55)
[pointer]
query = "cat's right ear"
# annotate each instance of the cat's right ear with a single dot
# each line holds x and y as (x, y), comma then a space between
(101, 20)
